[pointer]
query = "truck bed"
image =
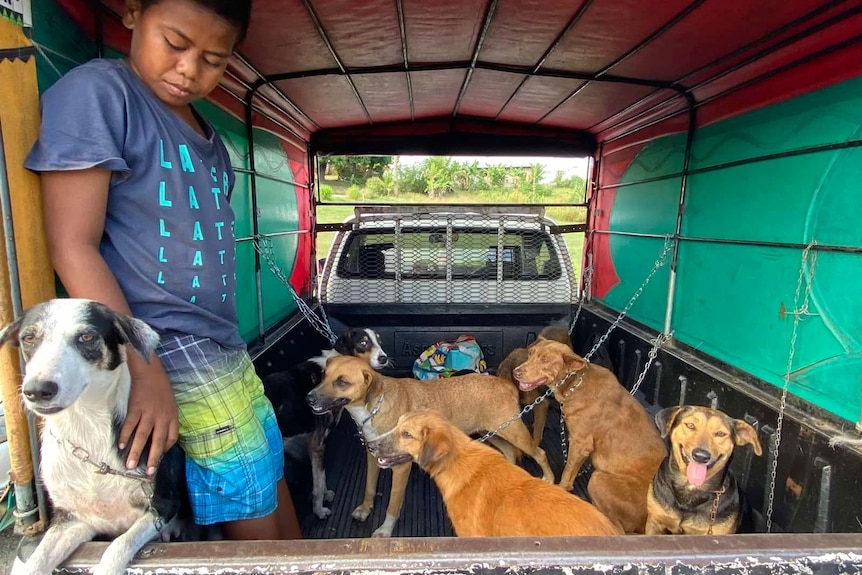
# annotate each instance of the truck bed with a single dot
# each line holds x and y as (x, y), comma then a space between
(423, 514)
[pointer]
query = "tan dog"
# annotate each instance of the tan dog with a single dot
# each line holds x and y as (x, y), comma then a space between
(606, 424)
(474, 403)
(485, 495)
(519, 356)
(694, 491)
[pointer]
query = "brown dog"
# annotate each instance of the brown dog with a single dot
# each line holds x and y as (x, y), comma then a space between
(694, 491)
(485, 495)
(606, 424)
(474, 403)
(519, 356)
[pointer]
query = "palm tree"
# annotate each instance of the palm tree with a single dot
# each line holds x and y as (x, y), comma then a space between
(535, 175)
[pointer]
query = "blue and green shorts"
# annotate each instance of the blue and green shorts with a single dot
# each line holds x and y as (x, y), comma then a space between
(227, 428)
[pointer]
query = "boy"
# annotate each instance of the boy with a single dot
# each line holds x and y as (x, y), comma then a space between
(135, 187)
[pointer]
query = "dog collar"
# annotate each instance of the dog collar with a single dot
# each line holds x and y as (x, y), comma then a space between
(100, 467)
(374, 411)
(565, 380)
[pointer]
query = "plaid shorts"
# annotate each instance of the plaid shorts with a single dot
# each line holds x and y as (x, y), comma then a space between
(234, 452)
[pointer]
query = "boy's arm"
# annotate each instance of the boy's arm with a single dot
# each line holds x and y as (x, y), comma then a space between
(75, 204)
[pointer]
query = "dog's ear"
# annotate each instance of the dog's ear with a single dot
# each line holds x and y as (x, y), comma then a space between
(745, 433)
(573, 362)
(435, 446)
(10, 332)
(665, 419)
(136, 333)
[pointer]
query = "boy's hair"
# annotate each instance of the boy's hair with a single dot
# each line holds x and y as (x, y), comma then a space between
(237, 12)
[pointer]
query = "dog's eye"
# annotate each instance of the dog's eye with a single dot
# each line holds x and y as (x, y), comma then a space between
(406, 435)
(363, 343)
(720, 434)
(690, 426)
(86, 338)
(28, 338)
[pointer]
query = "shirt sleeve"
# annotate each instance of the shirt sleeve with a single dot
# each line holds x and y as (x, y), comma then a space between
(84, 120)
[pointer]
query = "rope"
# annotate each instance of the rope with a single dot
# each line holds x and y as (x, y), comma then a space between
(797, 315)
(263, 246)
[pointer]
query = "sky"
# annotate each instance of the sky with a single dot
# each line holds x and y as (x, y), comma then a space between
(569, 166)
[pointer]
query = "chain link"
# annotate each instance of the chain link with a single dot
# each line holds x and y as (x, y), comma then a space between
(659, 341)
(263, 246)
(660, 262)
(713, 513)
(588, 283)
(797, 314)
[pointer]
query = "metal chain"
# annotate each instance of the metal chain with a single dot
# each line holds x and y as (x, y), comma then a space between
(797, 314)
(660, 262)
(588, 282)
(263, 246)
(101, 467)
(660, 340)
(713, 513)
(374, 411)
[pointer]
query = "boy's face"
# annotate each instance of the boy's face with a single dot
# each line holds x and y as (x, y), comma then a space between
(179, 49)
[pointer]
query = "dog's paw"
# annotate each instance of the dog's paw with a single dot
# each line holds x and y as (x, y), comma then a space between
(329, 495)
(361, 513)
(20, 568)
(322, 512)
(386, 529)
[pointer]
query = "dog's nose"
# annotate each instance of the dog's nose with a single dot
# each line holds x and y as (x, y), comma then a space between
(701, 455)
(40, 390)
(311, 398)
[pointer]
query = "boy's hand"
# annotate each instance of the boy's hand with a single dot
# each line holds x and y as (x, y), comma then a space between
(152, 412)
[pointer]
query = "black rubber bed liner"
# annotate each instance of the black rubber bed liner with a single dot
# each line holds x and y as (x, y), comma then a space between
(423, 513)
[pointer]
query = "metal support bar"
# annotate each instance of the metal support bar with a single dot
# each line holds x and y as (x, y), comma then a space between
(325, 37)
(402, 27)
(31, 505)
(462, 65)
(683, 192)
(576, 17)
(789, 245)
(736, 163)
(756, 554)
(269, 177)
(772, 72)
(489, 16)
(249, 127)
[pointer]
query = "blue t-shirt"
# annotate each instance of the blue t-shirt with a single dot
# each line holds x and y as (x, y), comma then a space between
(169, 229)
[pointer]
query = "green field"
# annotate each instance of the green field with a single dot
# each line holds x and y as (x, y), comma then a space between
(340, 209)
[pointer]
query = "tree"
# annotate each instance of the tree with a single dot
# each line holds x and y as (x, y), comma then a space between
(357, 169)
(437, 172)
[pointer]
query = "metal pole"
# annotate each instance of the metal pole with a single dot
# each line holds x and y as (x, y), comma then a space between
(683, 190)
(258, 279)
(30, 504)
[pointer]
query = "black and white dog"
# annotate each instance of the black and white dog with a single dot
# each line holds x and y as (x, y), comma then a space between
(77, 380)
(304, 432)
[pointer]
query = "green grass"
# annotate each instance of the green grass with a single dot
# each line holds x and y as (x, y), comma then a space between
(341, 208)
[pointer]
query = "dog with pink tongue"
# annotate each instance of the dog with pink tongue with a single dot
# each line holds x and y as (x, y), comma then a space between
(694, 491)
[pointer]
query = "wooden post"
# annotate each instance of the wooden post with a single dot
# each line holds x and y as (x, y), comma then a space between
(19, 117)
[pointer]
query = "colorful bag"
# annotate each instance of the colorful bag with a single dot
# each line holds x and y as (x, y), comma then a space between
(444, 359)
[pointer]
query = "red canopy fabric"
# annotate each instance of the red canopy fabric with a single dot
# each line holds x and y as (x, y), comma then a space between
(613, 70)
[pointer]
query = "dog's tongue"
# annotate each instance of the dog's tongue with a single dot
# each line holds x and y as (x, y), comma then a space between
(696, 473)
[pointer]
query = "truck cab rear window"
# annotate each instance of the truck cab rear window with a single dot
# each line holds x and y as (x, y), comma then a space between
(464, 255)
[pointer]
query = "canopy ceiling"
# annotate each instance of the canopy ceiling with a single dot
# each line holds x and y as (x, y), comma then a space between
(336, 72)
